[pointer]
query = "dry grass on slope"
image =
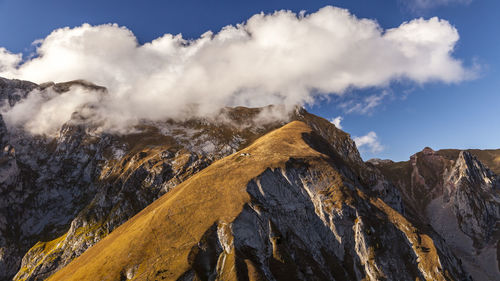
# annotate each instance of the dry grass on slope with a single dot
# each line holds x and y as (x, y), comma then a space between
(160, 237)
(422, 245)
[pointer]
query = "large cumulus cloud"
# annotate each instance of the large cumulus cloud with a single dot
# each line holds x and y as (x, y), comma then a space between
(280, 58)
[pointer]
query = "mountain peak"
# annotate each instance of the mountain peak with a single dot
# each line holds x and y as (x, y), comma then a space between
(65, 86)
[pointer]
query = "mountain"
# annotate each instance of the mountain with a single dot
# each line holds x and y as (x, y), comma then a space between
(457, 193)
(281, 208)
(237, 196)
(83, 184)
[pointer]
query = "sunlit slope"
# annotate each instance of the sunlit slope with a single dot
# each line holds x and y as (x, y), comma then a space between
(161, 236)
(285, 208)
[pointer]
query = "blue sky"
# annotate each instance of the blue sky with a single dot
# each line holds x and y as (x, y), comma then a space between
(405, 116)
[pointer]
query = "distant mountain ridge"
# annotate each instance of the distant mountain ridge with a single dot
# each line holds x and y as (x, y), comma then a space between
(459, 197)
(202, 199)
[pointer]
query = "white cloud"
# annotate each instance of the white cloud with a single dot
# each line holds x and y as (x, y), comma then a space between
(336, 121)
(45, 111)
(8, 61)
(369, 141)
(280, 58)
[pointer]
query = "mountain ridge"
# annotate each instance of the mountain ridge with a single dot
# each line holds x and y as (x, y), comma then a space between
(289, 146)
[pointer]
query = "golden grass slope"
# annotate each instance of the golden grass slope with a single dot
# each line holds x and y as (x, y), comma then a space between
(158, 242)
(161, 236)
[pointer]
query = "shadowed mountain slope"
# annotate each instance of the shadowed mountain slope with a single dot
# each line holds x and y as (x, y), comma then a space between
(456, 193)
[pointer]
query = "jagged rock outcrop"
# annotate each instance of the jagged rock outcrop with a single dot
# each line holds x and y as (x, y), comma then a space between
(458, 197)
(12, 91)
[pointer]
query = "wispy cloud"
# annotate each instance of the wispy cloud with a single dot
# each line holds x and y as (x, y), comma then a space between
(279, 58)
(366, 105)
(428, 4)
(370, 142)
(8, 61)
(336, 121)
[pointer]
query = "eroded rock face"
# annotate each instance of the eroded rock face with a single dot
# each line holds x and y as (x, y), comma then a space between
(12, 91)
(45, 186)
(459, 197)
(290, 232)
(474, 192)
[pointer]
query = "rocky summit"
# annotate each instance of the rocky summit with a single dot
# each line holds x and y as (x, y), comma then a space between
(237, 197)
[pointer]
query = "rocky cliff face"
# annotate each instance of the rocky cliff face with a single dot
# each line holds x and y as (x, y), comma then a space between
(45, 182)
(459, 197)
(239, 202)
